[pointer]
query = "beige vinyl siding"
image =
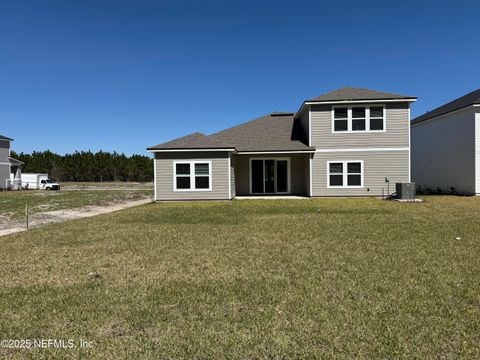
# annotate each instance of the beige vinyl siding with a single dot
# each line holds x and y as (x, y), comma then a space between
(4, 166)
(4, 175)
(298, 172)
(242, 173)
(396, 134)
(377, 165)
(477, 152)
(443, 152)
(4, 154)
(4, 150)
(164, 176)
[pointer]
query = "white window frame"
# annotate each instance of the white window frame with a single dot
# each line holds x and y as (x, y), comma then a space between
(345, 174)
(367, 119)
(289, 180)
(192, 174)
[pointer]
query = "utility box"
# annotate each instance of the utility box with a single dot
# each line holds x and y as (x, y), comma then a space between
(31, 181)
(405, 191)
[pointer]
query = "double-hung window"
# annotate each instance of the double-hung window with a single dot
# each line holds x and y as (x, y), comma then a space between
(358, 119)
(340, 120)
(192, 175)
(377, 118)
(345, 174)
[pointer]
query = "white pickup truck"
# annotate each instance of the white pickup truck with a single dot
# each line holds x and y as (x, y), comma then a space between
(49, 184)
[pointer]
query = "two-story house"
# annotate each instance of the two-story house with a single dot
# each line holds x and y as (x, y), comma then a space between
(7, 163)
(446, 147)
(348, 142)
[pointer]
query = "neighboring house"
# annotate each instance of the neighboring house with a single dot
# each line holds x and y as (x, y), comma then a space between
(343, 143)
(446, 147)
(7, 163)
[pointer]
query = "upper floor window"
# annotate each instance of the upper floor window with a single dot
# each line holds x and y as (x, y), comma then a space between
(341, 119)
(377, 118)
(192, 176)
(358, 119)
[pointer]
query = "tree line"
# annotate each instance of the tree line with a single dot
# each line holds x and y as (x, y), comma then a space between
(88, 166)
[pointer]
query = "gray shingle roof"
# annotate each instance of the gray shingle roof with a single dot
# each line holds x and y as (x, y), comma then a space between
(464, 101)
(193, 141)
(5, 138)
(272, 132)
(351, 93)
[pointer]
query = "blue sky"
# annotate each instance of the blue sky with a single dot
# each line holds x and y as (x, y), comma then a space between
(124, 75)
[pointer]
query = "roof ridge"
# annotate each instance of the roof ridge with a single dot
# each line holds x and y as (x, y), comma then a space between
(357, 93)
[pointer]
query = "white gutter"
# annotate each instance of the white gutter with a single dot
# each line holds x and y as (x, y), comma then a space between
(187, 150)
(363, 149)
(275, 152)
(358, 101)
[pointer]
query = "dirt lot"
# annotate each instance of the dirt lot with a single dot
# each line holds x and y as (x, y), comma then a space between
(46, 207)
(57, 216)
(107, 185)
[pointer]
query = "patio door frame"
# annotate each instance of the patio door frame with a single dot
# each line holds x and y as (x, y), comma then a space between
(289, 182)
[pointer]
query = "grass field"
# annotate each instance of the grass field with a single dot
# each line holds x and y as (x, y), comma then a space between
(262, 279)
(12, 203)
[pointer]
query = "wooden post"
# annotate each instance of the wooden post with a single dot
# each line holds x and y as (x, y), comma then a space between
(26, 214)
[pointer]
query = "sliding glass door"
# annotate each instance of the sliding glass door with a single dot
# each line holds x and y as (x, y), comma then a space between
(269, 176)
(257, 169)
(282, 176)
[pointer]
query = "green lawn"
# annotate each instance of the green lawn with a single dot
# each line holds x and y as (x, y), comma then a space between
(262, 279)
(12, 203)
